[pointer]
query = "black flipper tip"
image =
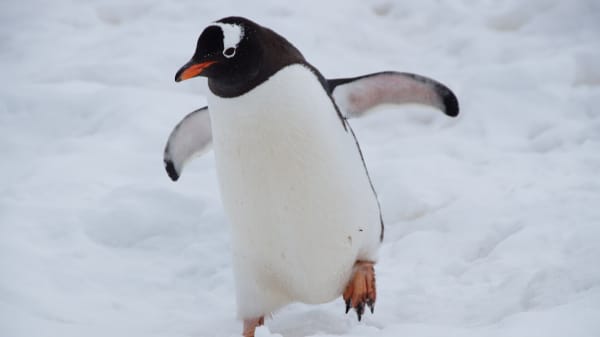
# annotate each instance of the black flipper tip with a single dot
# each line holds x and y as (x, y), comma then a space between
(348, 302)
(450, 103)
(171, 171)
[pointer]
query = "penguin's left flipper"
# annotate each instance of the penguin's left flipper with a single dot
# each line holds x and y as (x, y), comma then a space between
(191, 137)
(358, 95)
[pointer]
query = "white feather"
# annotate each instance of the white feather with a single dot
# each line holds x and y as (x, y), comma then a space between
(232, 34)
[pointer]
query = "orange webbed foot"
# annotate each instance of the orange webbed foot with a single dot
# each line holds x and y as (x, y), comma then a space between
(361, 289)
(251, 324)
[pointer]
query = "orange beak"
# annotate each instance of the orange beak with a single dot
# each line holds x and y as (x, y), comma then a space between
(192, 69)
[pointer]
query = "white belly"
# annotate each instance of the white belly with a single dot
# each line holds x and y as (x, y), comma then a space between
(295, 191)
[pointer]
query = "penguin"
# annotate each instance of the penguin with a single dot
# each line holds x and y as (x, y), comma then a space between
(306, 223)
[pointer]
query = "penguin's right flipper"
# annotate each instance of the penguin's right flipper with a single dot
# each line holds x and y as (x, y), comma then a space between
(191, 137)
(356, 96)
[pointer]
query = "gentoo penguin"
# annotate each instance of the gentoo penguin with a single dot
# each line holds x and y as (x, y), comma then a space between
(305, 220)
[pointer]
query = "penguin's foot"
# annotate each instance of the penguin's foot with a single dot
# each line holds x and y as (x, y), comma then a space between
(251, 324)
(361, 290)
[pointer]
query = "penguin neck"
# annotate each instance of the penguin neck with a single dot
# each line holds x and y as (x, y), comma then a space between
(233, 86)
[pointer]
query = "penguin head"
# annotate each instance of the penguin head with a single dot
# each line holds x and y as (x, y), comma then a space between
(236, 54)
(227, 50)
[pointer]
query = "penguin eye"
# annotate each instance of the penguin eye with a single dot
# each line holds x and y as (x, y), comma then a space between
(229, 52)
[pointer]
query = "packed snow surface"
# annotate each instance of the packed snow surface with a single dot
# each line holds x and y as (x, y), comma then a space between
(493, 218)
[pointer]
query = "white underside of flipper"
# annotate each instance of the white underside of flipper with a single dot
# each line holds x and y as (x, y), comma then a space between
(191, 137)
(295, 190)
(357, 96)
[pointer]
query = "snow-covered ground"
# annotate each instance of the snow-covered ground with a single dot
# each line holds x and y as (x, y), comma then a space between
(493, 219)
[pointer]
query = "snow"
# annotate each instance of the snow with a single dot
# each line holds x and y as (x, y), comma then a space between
(493, 219)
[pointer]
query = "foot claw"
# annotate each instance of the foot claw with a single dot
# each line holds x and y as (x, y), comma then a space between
(361, 291)
(348, 305)
(360, 309)
(371, 305)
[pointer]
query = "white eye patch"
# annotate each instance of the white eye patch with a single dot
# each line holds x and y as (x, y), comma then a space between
(232, 35)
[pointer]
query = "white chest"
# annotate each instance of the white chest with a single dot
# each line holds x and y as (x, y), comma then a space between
(293, 186)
